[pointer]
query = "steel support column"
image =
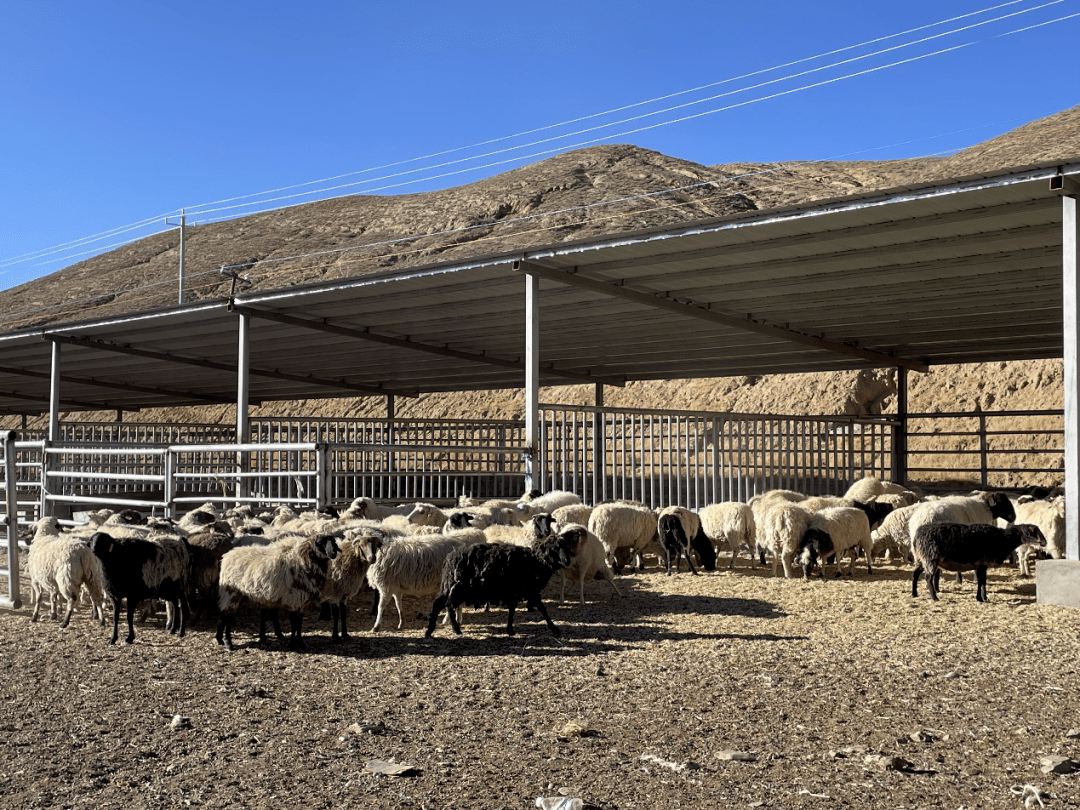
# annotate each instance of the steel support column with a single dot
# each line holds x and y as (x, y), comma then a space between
(54, 394)
(13, 599)
(900, 432)
(243, 425)
(532, 379)
(1070, 297)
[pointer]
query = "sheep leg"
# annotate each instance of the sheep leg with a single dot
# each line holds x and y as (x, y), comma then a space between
(980, 587)
(915, 580)
(436, 608)
(400, 615)
(380, 604)
(610, 578)
(296, 640)
(224, 630)
(689, 562)
(535, 601)
(761, 556)
(116, 621)
(511, 605)
(786, 560)
(734, 553)
(131, 621)
(184, 608)
(70, 609)
(35, 597)
(933, 575)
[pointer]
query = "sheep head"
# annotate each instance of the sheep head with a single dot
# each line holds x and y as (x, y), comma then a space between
(815, 546)
(1000, 505)
(543, 525)
(325, 545)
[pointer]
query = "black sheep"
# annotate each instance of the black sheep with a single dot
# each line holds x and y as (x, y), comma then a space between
(960, 547)
(674, 540)
(499, 573)
(875, 511)
(137, 569)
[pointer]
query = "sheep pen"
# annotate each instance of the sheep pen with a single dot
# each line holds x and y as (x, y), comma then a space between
(941, 704)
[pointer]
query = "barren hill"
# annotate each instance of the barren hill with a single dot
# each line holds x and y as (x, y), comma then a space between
(587, 193)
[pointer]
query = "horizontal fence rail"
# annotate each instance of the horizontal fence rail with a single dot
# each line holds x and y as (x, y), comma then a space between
(690, 458)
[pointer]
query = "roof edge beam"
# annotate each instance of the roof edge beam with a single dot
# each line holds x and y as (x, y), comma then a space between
(165, 357)
(692, 310)
(142, 389)
(362, 334)
(70, 404)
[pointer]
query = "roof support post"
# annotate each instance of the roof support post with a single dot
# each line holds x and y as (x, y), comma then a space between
(1070, 298)
(392, 488)
(243, 425)
(54, 394)
(599, 454)
(532, 378)
(13, 600)
(899, 472)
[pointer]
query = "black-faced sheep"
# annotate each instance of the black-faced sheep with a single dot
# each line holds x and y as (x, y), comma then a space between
(1049, 516)
(676, 525)
(285, 575)
(835, 530)
(730, 524)
(344, 579)
(496, 573)
(966, 547)
(157, 567)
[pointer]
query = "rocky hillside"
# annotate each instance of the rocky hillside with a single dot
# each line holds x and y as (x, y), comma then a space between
(549, 202)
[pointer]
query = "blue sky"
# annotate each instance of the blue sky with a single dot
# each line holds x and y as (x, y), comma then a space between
(114, 113)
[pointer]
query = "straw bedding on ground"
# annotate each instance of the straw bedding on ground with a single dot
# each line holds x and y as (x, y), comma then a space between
(825, 683)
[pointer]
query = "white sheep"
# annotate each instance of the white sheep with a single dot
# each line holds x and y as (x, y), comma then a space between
(780, 525)
(1049, 516)
(364, 507)
(59, 566)
(547, 503)
(978, 508)
(835, 530)
(410, 566)
(869, 487)
(588, 562)
(891, 536)
(622, 526)
(819, 502)
(288, 575)
(732, 524)
(573, 513)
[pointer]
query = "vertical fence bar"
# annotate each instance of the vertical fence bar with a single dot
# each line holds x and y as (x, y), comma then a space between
(14, 599)
(983, 473)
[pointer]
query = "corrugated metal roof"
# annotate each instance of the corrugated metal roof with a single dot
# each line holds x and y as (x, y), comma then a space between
(967, 270)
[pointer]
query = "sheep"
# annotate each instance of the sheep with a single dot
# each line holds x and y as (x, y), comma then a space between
(367, 508)
(344, 578)
(869, 487)
(966, 547)
(732, 524)
(624, 526)
(60, 566)
(979, 507)
(780, 527)
(587, 563)
(898, 500)
(548, 502)
(287, 574)
(207, 547)
(530, 533)
(834, 531)
(498, 573)
(409, 566)
(157, 567)
(891, 536)
(577, 513)
(777, 495)
(1050, 518)
(676, 525)
(819, 502)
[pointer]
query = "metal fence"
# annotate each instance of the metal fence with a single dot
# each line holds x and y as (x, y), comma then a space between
(1001, 449)
(660, 457)
(694, 458)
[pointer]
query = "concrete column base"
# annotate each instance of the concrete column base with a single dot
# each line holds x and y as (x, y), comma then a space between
(1057, 582)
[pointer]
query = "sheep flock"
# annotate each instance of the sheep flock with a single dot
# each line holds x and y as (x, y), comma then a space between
(496, 554)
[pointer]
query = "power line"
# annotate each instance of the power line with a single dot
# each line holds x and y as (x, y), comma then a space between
(123, 229)
(639, 117)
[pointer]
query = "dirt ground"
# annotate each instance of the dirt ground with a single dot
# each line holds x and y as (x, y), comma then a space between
(630, 709)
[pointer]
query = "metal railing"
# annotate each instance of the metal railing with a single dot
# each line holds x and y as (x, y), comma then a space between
(1000, 449)
(694, 458)
(690, 458)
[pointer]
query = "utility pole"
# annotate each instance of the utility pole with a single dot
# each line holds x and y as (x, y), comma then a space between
(181, 223)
